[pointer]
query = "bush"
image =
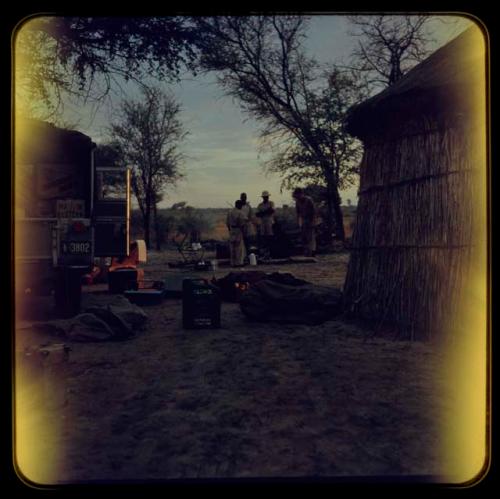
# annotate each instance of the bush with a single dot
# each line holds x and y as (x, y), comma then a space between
(166, 223)
(192, 222)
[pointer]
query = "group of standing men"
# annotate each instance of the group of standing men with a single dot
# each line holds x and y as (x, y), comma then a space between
(241, 222)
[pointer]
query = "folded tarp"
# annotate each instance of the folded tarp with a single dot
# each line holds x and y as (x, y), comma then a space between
(104, 318)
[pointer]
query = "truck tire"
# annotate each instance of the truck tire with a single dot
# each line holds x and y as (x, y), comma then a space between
(68, 291)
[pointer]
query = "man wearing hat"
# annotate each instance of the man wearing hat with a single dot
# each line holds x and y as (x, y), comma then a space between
(265, 211)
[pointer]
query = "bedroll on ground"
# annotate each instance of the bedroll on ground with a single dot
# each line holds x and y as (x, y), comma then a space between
(301, 303)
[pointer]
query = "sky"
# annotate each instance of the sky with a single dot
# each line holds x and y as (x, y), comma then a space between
(222, 147)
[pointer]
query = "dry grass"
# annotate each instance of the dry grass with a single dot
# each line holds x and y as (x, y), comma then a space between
(247, 400)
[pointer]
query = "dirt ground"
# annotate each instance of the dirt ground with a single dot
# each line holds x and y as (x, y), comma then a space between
(247, 400)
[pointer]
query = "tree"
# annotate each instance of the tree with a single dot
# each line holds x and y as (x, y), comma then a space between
(260, 62)
(191, 223)
(165, 223)
(329, 108)
(86, 56)
(388, 46)
(148, 133)
(178, 206)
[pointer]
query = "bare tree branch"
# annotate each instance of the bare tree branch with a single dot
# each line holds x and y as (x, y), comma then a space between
(260, 62)
(390, 45)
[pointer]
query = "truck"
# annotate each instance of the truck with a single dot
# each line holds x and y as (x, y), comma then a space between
(68, 211)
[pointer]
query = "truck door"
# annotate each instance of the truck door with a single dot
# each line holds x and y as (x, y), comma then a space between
(111, 211)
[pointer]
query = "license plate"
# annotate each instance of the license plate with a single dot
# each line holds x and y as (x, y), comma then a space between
(75, 247)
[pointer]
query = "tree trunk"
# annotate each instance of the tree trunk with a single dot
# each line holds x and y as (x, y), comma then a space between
(146, 220)
(146, 231)
(335, 216)
(330, 226)
(339, 216)
(158, 235)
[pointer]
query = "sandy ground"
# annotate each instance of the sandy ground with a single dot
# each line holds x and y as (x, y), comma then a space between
(246, 400)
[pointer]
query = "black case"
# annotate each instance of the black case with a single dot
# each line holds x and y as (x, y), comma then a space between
(120, 280)
(201, 304)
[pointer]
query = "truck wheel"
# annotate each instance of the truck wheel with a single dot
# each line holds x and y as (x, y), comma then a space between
(68, 291)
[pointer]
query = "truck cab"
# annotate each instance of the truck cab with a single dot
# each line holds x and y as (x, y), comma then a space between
(111, 211)
(68, 211)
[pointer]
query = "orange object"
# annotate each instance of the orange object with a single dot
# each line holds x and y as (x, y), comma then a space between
(128, 262)
(125, 262)
(92, 275)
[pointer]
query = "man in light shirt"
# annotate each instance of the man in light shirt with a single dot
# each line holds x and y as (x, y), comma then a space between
(249, 231)
(265, 211)
(235, 222)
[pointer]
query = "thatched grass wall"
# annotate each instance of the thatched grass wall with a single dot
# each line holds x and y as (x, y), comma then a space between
(418, 210)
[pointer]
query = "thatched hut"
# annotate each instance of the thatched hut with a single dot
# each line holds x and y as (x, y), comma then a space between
(420, 225)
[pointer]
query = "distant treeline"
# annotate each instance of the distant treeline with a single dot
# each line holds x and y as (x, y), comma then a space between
(182, 221)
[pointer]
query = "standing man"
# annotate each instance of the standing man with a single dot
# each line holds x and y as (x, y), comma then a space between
(236, 222)
(306, 218)
(249, 229)
(265, 211)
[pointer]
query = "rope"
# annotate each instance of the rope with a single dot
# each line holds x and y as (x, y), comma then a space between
(408, 246)
(414, 180)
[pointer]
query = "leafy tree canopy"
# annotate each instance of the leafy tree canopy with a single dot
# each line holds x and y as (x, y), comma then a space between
(87, 56)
